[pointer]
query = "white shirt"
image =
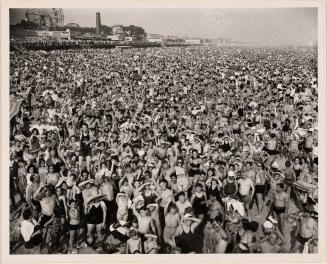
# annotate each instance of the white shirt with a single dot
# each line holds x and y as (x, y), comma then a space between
(27, 229)
(182, 206)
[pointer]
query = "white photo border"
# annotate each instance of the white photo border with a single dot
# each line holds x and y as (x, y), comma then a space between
(197, 258)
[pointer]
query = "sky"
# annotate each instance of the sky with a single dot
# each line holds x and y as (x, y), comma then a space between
(268, 26)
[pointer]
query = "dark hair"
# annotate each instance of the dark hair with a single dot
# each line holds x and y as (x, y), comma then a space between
(72, 201)
(143, 208)
(253, 226)
(84, 171)
(164, 181)
(245, 223)
(32, 177)
(172, 205)
(27, 214)
(132, 233)
(180, 193)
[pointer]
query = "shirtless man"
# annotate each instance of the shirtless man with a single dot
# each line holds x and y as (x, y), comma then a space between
(89, 192)
(280, 205)
(216, 211)
(165, 196)
(269, 245)
(74, 224)
(145, 223)
(246, 190)
(306, 233)
(107, 188)
(250, 172)
(32, 190)
(166, 170)
(153, 211)
(48, 201)
(52, 177)
(165, 193)
(122, 202)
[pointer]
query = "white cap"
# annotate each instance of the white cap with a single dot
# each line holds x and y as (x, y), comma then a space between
(275, 165)
(268, 225)
(231, 173)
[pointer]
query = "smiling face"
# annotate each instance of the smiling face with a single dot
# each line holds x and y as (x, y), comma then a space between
(188, 222)
(163, 185)
(31, 169)
(143, 212)
(58, 191)
(273, 238)
(181, 198)
(47, 192)
(198, 188)
(137, 184)
(51, 169)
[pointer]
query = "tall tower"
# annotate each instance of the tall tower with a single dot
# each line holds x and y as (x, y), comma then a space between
(98, 23)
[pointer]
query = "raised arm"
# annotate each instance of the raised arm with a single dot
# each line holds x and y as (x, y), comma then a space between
(135, 212)
(195, 224)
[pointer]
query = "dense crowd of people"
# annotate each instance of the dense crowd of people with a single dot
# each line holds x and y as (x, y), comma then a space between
(48, 44)
(165, 150)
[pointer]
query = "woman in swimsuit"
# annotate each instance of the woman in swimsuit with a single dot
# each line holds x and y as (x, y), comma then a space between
(186, 238)
(297, 167)
(96, 217)
(198, 201)
(179, 170)
(194, 167)
(150, 195)
(85, 148)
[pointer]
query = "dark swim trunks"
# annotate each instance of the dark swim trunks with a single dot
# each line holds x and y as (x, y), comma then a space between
(302, 240)
(279, 210)
(260, 188)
